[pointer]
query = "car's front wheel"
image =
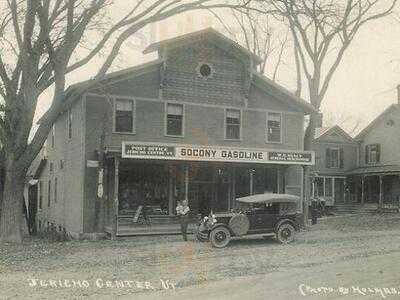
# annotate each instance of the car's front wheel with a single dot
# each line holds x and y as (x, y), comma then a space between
(285, 233)
(220, 237)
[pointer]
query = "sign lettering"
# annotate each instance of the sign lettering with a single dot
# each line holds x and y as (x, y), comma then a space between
(209, 153)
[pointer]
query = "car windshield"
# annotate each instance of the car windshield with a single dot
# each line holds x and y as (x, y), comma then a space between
(272, 208)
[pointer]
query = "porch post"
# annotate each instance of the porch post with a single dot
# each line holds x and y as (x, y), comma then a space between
(170, 191)
(233, 189)
(251, 182)
(186, 182)
(362, 189)
(115, 202)
(344, 189)
(380, 191)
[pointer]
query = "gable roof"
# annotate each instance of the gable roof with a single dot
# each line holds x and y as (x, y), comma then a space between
(208, 33)
(288, 97)
(376, 121)
(87, 84)
(325, 131)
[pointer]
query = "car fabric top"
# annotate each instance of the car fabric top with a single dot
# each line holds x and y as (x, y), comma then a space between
(269, 198)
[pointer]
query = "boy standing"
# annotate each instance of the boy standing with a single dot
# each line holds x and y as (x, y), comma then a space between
(182, 211)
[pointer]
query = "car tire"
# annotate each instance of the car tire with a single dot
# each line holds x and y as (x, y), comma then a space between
(285, 233)
(220, 237)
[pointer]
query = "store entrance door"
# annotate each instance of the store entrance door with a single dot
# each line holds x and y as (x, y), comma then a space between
(201, 197)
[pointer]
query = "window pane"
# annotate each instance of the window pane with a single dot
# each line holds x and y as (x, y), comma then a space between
(334, 158)
(175, 109)
(174, 125)
(175, 119)
(124, 105)
(274, 127)
(124, 116)
(232, 124)
(233, 132)
(233, 113)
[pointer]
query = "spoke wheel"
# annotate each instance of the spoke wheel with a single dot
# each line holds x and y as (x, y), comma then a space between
(285, 233)
(220, 237)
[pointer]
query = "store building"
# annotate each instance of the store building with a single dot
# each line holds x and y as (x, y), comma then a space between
(199, 122)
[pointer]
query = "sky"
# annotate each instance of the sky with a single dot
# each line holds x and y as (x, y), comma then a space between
(362, 87)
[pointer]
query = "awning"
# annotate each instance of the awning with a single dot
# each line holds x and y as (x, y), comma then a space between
(375, 170)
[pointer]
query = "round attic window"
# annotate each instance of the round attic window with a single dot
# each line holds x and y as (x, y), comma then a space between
(205, 70)
(390, 123)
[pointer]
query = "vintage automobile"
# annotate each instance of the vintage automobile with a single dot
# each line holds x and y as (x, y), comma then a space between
(262, 214)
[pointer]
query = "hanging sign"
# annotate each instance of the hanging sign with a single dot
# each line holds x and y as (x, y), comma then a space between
(210, 153)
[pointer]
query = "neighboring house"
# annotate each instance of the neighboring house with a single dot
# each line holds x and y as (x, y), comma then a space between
(199, 123)
(364, 169)
(335, 155)
(376, 179)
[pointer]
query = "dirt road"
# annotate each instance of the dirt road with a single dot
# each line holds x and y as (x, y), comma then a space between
(358, 250)
(373, 277)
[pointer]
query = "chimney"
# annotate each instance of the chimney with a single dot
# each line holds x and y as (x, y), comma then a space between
(398, 94)
(318, 120)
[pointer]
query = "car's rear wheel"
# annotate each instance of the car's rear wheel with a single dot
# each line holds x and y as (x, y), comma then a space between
(285, 233)
(220, 237)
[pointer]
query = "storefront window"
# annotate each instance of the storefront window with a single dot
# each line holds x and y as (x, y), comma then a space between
(174, 119)
(143, 185)
(265, 180)
(232, 124)
(319, 187)
(328, 187)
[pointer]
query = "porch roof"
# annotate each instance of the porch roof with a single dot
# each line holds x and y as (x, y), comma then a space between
(379, 169)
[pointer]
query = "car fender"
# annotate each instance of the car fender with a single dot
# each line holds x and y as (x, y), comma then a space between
(216, 225)
(283, 221)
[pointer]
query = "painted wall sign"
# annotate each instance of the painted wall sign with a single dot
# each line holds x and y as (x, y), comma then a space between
(92, 163)
(210, 153)
(290, 156)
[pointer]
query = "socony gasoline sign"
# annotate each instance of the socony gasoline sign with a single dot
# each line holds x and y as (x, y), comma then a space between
(209, 153)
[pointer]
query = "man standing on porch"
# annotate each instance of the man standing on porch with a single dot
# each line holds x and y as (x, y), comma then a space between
(182, 211)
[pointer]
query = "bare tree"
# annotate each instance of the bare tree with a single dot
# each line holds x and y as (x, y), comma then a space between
(261, 35)
(352, 125)
(39, 42)
(322, 31)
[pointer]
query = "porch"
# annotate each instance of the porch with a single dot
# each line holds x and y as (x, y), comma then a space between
(379, 185)
(142, 194)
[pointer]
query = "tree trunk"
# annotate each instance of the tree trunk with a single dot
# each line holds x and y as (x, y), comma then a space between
(11, 207)
(308, 140)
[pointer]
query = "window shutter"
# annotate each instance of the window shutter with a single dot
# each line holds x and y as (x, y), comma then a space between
(341, 158)
(366, 154)
(328, 158)
(378, 155)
